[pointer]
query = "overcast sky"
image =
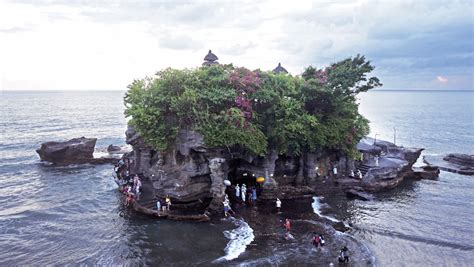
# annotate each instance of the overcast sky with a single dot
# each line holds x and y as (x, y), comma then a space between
(87, 45)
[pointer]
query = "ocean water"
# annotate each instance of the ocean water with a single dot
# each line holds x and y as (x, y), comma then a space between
(427, 222)
(73, 214)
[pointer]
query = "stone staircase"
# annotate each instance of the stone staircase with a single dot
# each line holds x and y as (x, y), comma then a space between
(364, 168)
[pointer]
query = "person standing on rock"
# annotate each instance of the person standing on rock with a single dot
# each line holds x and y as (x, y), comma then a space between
(158, 205)
(138, 187)
(278, 204)
(376, 158)
(135, 180)
(237, 191)
(129, 199)
(334, 170)
(254, 194)
(249, 196)
(226, 207)
(168, 202)
(244, 192)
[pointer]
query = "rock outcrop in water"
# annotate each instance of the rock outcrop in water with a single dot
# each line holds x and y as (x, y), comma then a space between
(74, 151)
(77, 149)
(455, 162)
(190, 173)
(113, 149)
(393, 165)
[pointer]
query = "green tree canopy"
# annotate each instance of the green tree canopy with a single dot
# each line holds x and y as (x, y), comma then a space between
(254, 110)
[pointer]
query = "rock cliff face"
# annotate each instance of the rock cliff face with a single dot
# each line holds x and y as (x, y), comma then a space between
(190, 173)
(77, 149)
(395, 164)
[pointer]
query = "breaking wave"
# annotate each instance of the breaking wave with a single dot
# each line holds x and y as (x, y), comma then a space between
(239, 239)
(317, 209)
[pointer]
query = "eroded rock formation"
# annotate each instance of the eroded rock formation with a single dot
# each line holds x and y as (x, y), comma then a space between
(74, 151)
(190, 173)
(393, 165)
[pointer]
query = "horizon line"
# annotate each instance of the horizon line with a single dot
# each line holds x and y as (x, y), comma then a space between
(124, 90)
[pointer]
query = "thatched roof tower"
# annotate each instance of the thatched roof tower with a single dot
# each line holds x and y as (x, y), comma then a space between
(279, 69)
(210, 59)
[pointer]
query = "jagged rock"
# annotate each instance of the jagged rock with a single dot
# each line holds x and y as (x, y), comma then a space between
(340, 226)
(133, 137)
(113, 149)
(461, 159)
(457, 163)
(72, 151)
(217, 185)
(192, 174)
(426, 172)
(353, 193)
(190, 140)
(394, 165)
(292, 192)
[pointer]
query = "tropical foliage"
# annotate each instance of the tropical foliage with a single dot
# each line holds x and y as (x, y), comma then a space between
(254, 110)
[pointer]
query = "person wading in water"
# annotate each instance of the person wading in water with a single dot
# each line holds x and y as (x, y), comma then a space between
(287, 225)
(343, 256)
(278, 204)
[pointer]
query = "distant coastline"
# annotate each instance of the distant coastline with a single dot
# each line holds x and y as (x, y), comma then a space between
(421, 90)
(124, 90)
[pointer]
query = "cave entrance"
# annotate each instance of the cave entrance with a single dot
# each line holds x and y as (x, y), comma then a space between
(240, 173)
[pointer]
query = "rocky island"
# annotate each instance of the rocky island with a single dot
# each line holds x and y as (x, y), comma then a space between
(192, 129)
(198, 133)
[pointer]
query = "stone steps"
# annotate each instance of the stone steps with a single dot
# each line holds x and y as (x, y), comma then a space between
(363, 168)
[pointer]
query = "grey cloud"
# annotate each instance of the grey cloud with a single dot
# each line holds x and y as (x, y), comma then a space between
(454, 42)
(181, 42)
(238, 49)
(15, 29)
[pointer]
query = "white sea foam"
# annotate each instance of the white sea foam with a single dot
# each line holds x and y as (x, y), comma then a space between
(239, 238)
(317, 209)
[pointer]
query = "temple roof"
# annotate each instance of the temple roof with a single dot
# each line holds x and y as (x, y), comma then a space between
(280, 69)
(210, 57)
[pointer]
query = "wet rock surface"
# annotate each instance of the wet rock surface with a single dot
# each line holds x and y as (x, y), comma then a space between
(113, 149)
(457, 163)
(74, 151)
(426, 172)
(359, 194)
(77, 149)
(393, 165)
(193, 174)
(187, 172)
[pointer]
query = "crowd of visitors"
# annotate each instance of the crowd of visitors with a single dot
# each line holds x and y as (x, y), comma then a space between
(130, 185)
(247, 195)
